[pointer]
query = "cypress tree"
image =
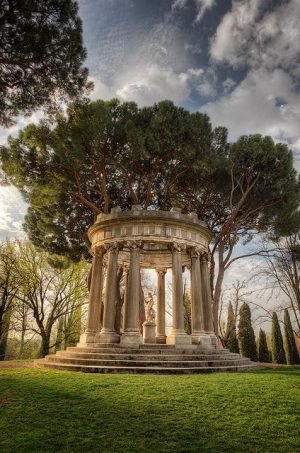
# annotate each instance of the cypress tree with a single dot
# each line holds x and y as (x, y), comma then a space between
(263, 351)
(292, 355)
(246, 334)
(231, 339)
(278, 354)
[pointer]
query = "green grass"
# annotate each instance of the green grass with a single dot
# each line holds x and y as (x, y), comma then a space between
(51, 411)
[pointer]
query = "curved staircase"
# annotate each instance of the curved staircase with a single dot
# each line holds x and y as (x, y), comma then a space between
(147, 359)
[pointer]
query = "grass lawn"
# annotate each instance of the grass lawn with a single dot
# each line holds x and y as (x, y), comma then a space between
(51, 411)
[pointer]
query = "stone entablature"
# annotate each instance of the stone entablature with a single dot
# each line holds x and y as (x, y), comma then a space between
(158, 230)
(157, 240)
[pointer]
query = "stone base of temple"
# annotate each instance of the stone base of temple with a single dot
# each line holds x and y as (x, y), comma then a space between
(179, 339)
(208, 340)
(88, 337)
(160, 339)
(130, 339)
(109, 337)
(145, 359)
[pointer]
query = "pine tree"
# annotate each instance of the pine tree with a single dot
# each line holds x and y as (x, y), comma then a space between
(292, 355)
(246, 334)
(230, 337)
(263, 351)
(278, 354)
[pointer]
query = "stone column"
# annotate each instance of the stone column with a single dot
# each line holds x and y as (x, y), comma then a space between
(126, 274)
(178, 335)
(161, 307)
(95, 298)
(108, 333)
(196, 297)
(207, 303)
(131, 334)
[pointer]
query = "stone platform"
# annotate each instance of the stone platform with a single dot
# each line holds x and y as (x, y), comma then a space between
(147, 359)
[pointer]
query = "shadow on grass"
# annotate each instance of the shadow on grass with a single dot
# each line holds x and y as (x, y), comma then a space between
(48, 411)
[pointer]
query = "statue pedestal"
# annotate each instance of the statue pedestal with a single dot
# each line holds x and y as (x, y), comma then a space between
(149, 328)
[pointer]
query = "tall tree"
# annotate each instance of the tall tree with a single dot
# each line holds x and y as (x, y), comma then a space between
(8, 289)
(291, 351)
(41, 55)
(246, 333)
(281, 271)
(49, 292)
(263, 351)
(231, 337)
(278, 354)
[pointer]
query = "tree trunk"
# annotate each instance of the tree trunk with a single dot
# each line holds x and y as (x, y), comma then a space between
(217, 294)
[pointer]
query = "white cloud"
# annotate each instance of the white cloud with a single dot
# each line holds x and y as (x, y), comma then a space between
(228, 84)
(154, 84)
(12, 211)
(201, 6)
(264, 102)
(247, 36)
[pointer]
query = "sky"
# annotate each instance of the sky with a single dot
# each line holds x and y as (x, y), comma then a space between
(237, 61)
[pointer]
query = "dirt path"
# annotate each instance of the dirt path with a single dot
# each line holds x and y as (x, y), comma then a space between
(16, 364)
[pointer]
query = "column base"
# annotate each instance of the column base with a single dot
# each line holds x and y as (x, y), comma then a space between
(131, 339)
(179, 339)
(160, 339)
(88, 337)
(109, 337)
(206, 339)
(149, 328)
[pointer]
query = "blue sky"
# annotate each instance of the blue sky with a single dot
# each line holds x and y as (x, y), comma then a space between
(237, 60)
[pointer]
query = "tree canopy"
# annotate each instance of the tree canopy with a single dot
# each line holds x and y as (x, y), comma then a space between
(104, 154)
(41, 55)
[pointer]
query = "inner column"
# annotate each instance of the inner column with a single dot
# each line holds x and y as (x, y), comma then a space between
(178, 335)
(108, 333)
(131, 334)
(161, 306)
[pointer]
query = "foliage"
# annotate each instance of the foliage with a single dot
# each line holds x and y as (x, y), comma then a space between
(263, 351)
(246, 333)
(43, 410)
(292, 355)
(231, 338)
(278, 354)
(50, 293)
(102, 154)
(8, 289)
(41, 55)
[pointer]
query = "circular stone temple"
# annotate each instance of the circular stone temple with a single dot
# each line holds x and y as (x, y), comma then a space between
(157, 240)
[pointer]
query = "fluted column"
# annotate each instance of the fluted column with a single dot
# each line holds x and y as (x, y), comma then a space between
(196, 297)
(206, 295)
(178, 335)
(95, 295)
(108, 333)
(161, 306)
(131, 334)
(126, 274)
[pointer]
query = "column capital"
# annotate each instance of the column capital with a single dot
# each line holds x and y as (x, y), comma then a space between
(176, 247)
(99, 250)
(194, 252)
(113, 246)
(161, 271)
(204, 257)
(134, 245)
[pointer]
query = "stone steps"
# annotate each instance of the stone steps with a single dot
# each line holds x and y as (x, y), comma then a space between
(144, 370)
(146, 363)
(151, 351)
(148, 359)
(160, 357)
